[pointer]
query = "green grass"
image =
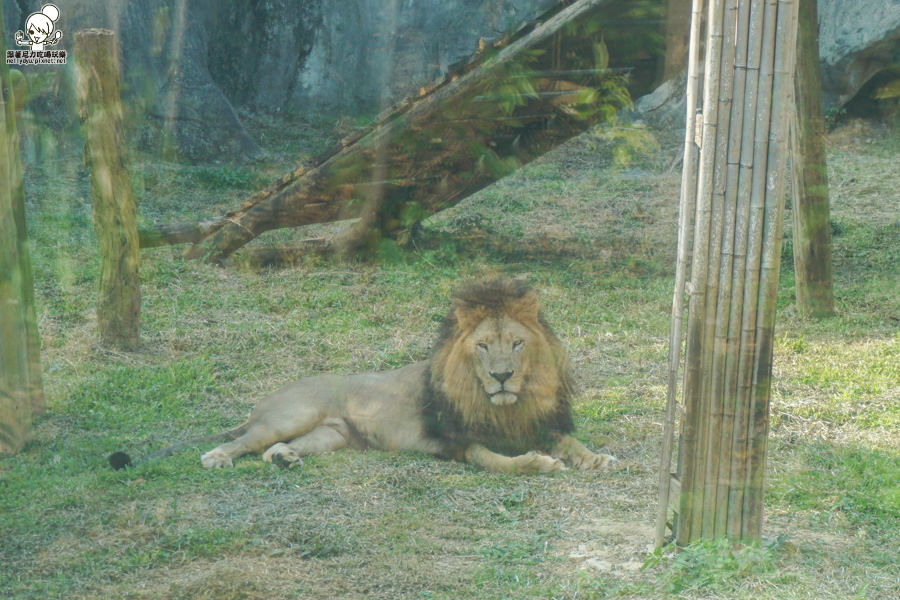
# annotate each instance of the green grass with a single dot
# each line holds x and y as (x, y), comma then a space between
(598, 242)
(855, 483)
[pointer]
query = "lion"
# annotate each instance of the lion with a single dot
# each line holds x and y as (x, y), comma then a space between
(494, 393)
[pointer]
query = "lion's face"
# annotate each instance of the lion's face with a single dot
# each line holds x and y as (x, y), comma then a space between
(498, 349)
(496, 354)
(498, 368)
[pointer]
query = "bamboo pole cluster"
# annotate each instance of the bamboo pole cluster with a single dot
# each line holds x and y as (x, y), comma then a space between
(729, 243)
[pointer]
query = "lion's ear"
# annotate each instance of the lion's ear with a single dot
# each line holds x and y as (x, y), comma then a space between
(468, 317)
(525, 309)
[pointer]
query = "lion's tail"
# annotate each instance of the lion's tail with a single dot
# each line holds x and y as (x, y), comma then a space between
(120, 460)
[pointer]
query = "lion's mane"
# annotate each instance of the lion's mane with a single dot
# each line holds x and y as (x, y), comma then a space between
(456, 407)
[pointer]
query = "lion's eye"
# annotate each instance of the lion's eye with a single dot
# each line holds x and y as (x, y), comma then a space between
(518, 344)
(482, 346)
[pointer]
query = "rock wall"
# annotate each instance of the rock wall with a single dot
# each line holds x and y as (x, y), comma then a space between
(368, 52)
(189, 64)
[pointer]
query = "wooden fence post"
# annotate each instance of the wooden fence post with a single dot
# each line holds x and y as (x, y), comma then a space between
(812, 229)
(735, 200)
(21, 392)
(115, 221)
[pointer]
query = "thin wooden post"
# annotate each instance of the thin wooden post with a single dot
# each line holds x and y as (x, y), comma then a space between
(737, 218)
(813, 281)
(685, 220)
(678, 22)
(114, 207)
(21, 392)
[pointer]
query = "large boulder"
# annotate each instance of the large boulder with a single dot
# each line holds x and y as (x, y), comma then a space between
(857, 40)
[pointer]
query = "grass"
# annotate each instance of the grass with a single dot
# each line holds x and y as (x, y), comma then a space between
(597, 239)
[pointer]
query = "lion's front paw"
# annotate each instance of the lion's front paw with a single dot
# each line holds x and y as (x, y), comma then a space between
(282, 455)
(594, 461)
(534, 462)
(216, 459)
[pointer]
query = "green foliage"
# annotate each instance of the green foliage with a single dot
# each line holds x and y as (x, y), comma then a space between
(411, 213)
(628, 144)
(514, 88)
(488, 160)
(715, 566)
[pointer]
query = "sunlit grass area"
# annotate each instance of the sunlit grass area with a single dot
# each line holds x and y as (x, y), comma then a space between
(596, 236)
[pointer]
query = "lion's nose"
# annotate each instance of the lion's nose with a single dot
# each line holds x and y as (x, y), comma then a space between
(502, 377)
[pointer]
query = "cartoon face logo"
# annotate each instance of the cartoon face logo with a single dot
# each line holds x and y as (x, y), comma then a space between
(39, 28)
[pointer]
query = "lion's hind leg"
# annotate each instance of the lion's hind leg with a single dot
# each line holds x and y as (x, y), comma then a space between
(257, 437)
(331, 435)
(579, 456)
(285, 415)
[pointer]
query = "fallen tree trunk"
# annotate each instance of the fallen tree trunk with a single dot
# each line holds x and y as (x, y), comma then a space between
(506, 108)
(177, 233)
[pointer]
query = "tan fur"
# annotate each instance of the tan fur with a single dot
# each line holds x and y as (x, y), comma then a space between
(497, 367)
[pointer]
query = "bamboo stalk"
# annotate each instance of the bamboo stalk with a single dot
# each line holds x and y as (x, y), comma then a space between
(738, 220)
(710, 215)
(724, 333)
(732, 517)
(712, 350)
(782, 102)
(694, 465)
(685, 218)
(740, 459)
